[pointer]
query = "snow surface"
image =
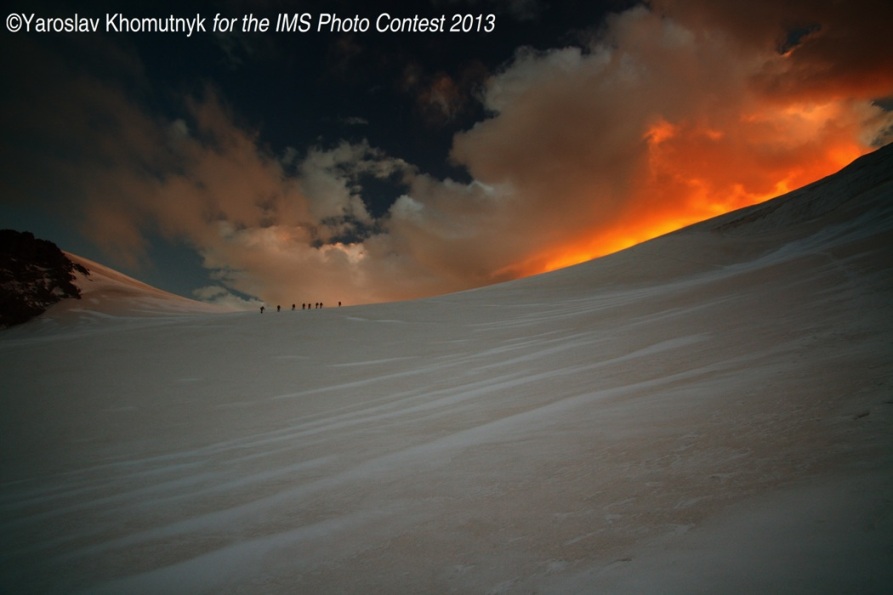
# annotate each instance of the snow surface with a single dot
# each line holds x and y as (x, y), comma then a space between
(707, 412)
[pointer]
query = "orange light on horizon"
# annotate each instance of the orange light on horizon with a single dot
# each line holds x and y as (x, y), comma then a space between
(605, 244)
(699, 173)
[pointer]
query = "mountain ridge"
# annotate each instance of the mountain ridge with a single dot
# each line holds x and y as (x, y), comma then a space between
(110, 293)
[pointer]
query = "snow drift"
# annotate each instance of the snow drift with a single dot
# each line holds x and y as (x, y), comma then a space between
(707, 412)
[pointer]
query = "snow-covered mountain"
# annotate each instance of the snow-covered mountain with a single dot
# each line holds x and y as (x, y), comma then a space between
(106, 292)
(65, 289)
(710, 411)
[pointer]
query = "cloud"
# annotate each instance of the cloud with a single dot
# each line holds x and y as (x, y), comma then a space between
(844, 53)
(355, 121)
(220, 296)
(267, 227)
(656, 124)
(666, 116)
(441, 98)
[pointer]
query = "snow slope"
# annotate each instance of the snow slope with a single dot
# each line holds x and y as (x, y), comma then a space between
(707, 412)
(107, 292)
(111, 297)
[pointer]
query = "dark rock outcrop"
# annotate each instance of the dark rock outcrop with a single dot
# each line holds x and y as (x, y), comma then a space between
(34, 275)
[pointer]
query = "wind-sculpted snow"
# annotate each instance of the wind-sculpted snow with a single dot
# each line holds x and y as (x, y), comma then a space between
(708, 412)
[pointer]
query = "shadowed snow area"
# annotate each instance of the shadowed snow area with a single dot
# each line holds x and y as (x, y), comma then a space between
(711, 411)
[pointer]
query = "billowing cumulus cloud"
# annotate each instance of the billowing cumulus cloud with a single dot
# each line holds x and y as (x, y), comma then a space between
(668, 115)
(266, 226)
(657, 123)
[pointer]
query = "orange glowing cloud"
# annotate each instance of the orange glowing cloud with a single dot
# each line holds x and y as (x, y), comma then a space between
(666, 126)
(692, 174)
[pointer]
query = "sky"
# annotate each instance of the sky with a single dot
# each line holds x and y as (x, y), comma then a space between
(345, 165)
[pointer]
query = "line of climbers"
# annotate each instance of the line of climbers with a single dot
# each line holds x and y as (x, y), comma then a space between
(308, 306)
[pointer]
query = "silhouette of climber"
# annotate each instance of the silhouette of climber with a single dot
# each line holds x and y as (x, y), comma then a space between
(278, 308)
(261, 309)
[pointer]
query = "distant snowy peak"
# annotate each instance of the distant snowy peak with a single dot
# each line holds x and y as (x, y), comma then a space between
(50, 287)
(106, 292)
(103, 278)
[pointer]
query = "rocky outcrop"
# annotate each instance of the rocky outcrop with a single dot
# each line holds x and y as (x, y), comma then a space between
(34, 275)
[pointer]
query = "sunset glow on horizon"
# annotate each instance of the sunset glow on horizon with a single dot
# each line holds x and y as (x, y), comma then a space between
(700, 198)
